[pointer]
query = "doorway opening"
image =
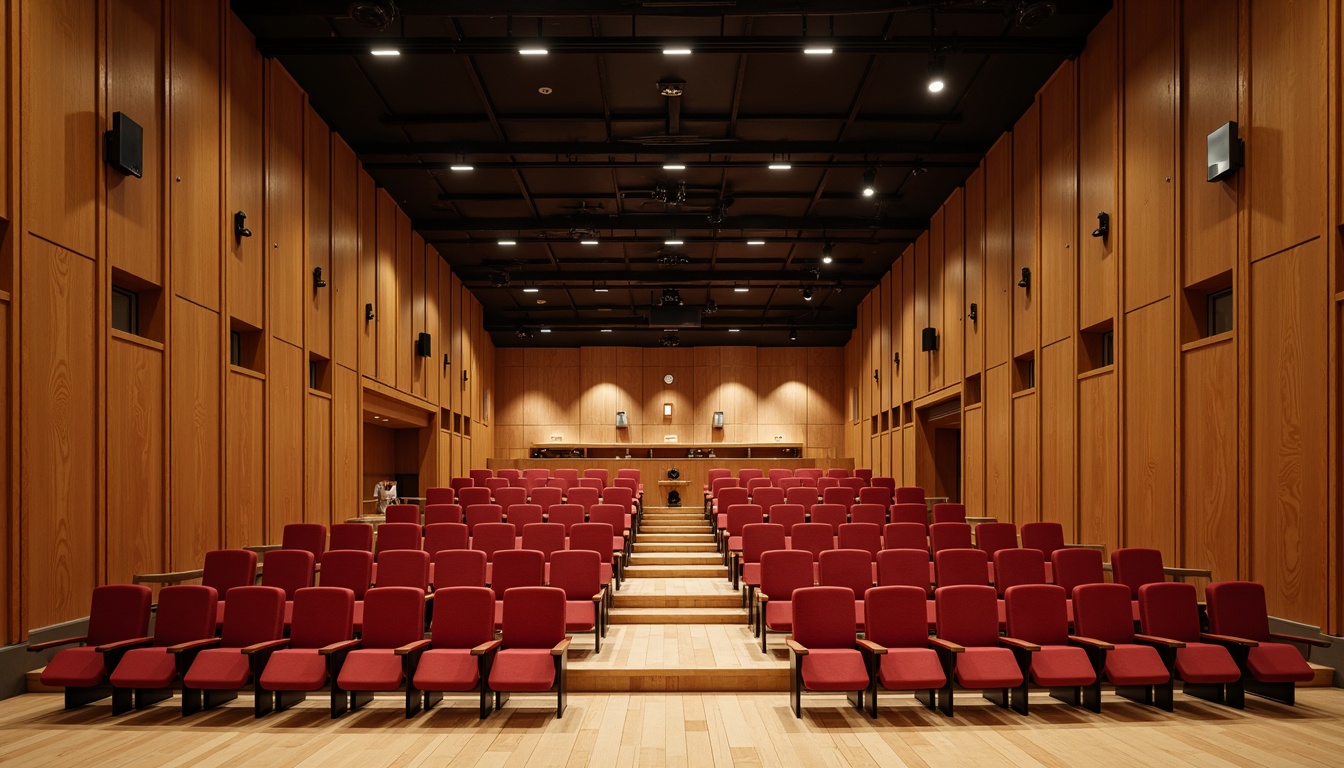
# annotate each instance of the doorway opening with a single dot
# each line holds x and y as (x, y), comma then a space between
(938, 449)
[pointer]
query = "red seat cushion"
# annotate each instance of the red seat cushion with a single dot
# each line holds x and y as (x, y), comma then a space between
(1061, 666)
(983, 668)
(218, 669)
(834, 669)
(1278, 663)
(447, 669)
(1205, 663)
(295, 669)
(751, 574)
(75, 667)
(145, 668)
(371, 669)
(779, 615)
(523, 669)
(908, 669)
(580, 615)
(1129, 664)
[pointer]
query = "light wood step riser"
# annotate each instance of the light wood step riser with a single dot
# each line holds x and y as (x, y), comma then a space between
(687, 547)
(676, 601)
(675, 538)
(674, 529)
(674, 559)
(679, 680)
(1325, 677)
(676, 572)
(672, 617)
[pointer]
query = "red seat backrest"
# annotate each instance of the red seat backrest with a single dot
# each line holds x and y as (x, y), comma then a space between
(1171, 610)
(404, 568)
(289, 570)
(968, 615)
(758, 538)
(186, 612)
(229, 568)
(824, 617)
(1015, 567)
(534, 617)
(1236, 608)
(906, 536)
(492, 538)
(1036, 613)
(118, 612)
(865, 536)
(961, 566)
(442, 513)
(1137, 566)
(949, 536)
(783, 571)
(894, 616)
(350, 569)
(903, 567)
(1074, 567)
(459, 568)
(1103, 612)
(255, 615)
(311, 537)
(393, 617)
(322, 616)
(441, 536)
(470, 623)
(849, 568)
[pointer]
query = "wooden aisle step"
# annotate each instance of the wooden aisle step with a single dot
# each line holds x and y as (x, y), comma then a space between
(675, 558)
(676, 571)
(677, 614)
(651, 537)
(706, 547)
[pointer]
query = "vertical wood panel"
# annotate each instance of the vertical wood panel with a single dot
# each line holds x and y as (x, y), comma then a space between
(284, 205)
(1055, 380)
(975, 260)
(194, 517)
(246, 100)
(345, 446)
(56, 389)
(8, 546)
(317, 210)
(385, 305)
(347, 311)
(194, 150)
(998, 443)
(1059, 205)
(61, 133)
(317, 459)
(1025, 459)
(1026, 207)
(135, 472)
(933, 287)
(1210, 528)
(135, 74)
(1209, 95)
(996, 314)
(1098, 462)
(417, 325)
(1150, 429)
(1150, 151)
(909, 328)
(286, 386)
(953, 300)
(245, 454)
(920, 297)
(368, 274)
(897, 333)
(434, 363)
(1098, 146)
(1289, 436)
(404, 301)
(973, 460)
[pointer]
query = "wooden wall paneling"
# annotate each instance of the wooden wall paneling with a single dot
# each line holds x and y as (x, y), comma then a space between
(907, 455)
(1026, 212)
(554, 399)
(471, 321)
(998, 442)
(194, 149)
(1098, 150)
(347, 314)
(740, 397)
(1289, 436)
(57, 393)
(135, 459)
(317, 174)
(681, 364)
(443, 345)
(1026, 458)
(245, 459)
(9, 526)
(1149, 92)
(195, 436)
(707, 378)
(512, 388)
(286, 385)
(404, 307)
(997, 282)
(61, 133)
(895, 315)
(973, 460)
(920, 297)
(909, 328)
(881, 361)
(934, 287)
(245, 97)
(370, 250)
(6, 213)
(1210, 529)
(1150, 428)
(1055, 380)
(1098, 460)
(974, 270)
(599, 398)
(432, 365)
(825, 402)
(783, 404)
(1059, 206)
(417, 306)
(317, 455)
(1287, 129)
(953, 341)
(1209, 82)
(134, 80)
(385, 305)
(284, 230)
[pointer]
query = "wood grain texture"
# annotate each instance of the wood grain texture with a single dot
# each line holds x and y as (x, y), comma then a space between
(1209, 96)
(317, 454)
(1026, 459)
(921, 314)
(909, 328)
(1149, 213)
(9, 545)
(135, 74)
(61, 134)
(416, 384)
(1287, 125)
(1289, 436)
(385, 304)
(998, 410)
(996, 314)
(286, 386)
(194, 519)
(1098, 150)
(933, 285)
(880, 319)
(973, 460)
(58, 463)
(1150, 429)
(974, 270)
(246, 256)
(245, 457)
(444, 345)
(135, 461)
(369, 248)
(1058, 285)
(1056, 386)
(287, 290)
(1098, 461)
(347, 489)
(317, 235)
(1210, 531)
(195, 234)
(895, 317)
(953, 341)
(1026, 241)
(403, 306)
(347, 312)
(433, 364)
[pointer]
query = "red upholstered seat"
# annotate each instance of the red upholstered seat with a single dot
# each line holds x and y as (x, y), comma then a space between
(482, 514)
(1035, 614)
(462, 643)
(458, 483)
(440, 496)
(225, 569)
(911, 513)
(395, 536)
(947, 512)
(831, 514)
(492, 538)
(479, 476)
(402, 513)
(214, 675)
(949, 536)
(823, 647)
(782, 572)
(865, 536)
(906, 535)
(117, 613)
(904, 669)
(880, 496)
(310, 537)
(1019, 566)
(470, 497)
(143, 676)
(897, 644)
(1137, 566)
(1237, 608)
(599, 473)
(442, 513)
(523, 515)
(1102, 612)
(458, 568)
(532, 650)
(547, 497)
(404, 568)
(757, 538)
(813, 538)
(1169, 610)
(787, 515)
(507, 496)
(515, 568)
(767, 496)
(967, 616)
(546, 538)
(851, 569)
(322, 616)
(909, 494)
(597, 537)
(987, 667)
(867, 512)
(351, 536)
(804, 495)
(445, 536)
(578, 572)
(961, 566)
(567, 515)
(834, 669)
(394, 617)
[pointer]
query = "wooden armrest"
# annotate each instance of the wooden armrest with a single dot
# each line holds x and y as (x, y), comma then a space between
(344, 645)
(761, 597)
(1272, 636)
(418, 645)
(561, 647)
(194, 645)
(172, 577)
(35, 647)
(1091, 642)
(1097, 547)
(486, 647)
(599, 597)
(1154, 640)
(1188, 573)
(1021, 645)
(429, 597)
(268, 645)
(120, 644)
(795, 646)
(869, 645)
(1227, 639)
(946, 645)
(262, 549)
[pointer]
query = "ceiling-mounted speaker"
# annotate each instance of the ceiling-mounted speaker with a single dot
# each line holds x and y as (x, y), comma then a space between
(423, 345)
(929, 340)
(1226, 151)
(125, 146)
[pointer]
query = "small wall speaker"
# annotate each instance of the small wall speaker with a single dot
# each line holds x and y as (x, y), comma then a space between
(125, 146)
(929, 340)
(1226, 151)
(621, 421)
(718, 419)
(424, 346)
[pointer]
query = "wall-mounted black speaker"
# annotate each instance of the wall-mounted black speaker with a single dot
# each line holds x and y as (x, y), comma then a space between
(423, 346)
(1226, 151)
(125, 146)
(929, 340)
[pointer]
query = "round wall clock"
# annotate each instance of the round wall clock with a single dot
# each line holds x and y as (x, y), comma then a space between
(668, 379)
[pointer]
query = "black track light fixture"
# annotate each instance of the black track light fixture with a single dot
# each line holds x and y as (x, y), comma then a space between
(870, 182)
(807, 294)
(936, 69)
(826, 253)
(793, 334)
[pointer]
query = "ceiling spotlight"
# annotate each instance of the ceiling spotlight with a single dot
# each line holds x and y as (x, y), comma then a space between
(533, 51)
(461, 164)
(378, 14)
(936, 67)
(755, 242)
(605, 330)
(674, 241)
(545, 330)
(818, 51)
(740, 289)
(588, 242)
(670, 340)
(499, 279)
(508, 242)
(826, 251)
(601, 290)
(711, 307)
(793, 334)
(671, 297)
(674, 166)
(385, 52)
(734, 330)
(807, 294)
(531, 290)
(780, 166)
(676, 51)
(869, 180)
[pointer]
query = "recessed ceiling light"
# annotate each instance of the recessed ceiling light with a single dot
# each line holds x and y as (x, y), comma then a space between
(780, 166)
(734, 330)
(601, 290)
(587, 242)
(545, 90)
(818, 51)
(545, 330)
(755, 242)
(674, 242)
(385, 52)
(674, 167)
(741, 289)
(461, 167)
(531, 290)
(606, 330)
(508, 242)
(676, 51)
(936, 74)
(533, 51)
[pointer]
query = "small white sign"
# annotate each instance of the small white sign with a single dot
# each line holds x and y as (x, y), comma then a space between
(669, 438)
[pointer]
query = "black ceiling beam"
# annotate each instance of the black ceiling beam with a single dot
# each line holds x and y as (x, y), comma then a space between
(636, 195)
(550, 8)
(671, 277)
(430, 119)
(684, 222)
(658, 241)
(563, 164)
(675, 145)
(606, 46)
